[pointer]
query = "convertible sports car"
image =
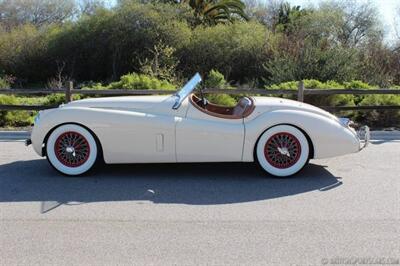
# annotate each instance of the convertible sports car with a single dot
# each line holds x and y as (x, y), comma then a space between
(281, 135)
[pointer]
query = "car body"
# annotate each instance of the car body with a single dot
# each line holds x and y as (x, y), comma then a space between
(185, 128)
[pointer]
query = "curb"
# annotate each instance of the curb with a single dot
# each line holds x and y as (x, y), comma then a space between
(385, 135)
(14, 135)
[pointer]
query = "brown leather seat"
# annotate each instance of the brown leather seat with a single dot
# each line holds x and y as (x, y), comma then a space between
(244, 108)
(243, 105)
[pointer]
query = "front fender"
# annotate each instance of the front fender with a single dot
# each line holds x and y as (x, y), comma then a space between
(329, 138)
(51, 118)
(125, 136)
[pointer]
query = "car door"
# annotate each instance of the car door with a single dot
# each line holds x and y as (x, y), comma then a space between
(204, 138)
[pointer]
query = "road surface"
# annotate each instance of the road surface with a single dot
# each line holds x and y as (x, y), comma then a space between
(338, 210)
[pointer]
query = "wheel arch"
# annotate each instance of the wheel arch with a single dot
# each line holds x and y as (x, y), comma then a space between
(100, 148)
(310, 143)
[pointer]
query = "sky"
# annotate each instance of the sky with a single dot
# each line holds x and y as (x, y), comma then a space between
(386, 9)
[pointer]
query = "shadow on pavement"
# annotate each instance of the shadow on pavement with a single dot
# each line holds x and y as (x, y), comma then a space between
(197, 184)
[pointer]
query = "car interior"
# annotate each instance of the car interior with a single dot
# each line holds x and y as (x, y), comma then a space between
(244, 107)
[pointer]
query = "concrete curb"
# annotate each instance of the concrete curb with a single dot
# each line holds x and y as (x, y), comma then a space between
(375, 135)
(385, 135)
(14, 135)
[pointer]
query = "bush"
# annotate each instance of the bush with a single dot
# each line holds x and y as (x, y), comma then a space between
(109, 43)
(215, 80)
(23, 52)
(381, 118)
(320, 100)
(236, 50)
(293, 60)
(222, 99)
(134, 81)
(4, 84)
(25, 118)
(13, 118)
(57, 99)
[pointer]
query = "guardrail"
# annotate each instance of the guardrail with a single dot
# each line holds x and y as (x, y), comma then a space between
(300, 92)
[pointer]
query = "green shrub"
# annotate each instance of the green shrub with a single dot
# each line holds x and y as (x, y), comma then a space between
(25, 118)
(357, 84)
(327, 100)
(374, 118)
(381, 118)
(215, 80)
(13, 118)
(5, 99)
(55, 99)
(4, 84)
(236, 50)
(23, 52)
(222, 99)
(319, 100)
(109, 43)
(134, 81)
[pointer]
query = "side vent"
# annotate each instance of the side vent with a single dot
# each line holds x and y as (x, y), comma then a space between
(160, 142)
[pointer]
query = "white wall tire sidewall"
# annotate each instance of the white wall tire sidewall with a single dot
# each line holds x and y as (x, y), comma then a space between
(53, 158)
(290, 170)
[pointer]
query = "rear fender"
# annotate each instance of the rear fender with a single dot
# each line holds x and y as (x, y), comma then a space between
(329, 138)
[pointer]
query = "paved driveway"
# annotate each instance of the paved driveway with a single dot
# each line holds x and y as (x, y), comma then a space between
(336, 210)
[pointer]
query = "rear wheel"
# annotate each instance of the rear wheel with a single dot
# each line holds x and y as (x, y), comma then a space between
(71, 149)
(282, 150)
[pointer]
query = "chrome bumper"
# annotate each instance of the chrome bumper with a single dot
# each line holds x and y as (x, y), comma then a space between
(363, 134)
(28, 142)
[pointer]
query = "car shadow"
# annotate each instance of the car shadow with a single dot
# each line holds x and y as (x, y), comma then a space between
(195, 184)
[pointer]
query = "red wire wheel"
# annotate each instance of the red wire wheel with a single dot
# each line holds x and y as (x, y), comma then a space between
(72, 149)
(282, 150)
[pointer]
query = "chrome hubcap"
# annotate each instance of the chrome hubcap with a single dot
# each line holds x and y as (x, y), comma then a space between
(70, 150)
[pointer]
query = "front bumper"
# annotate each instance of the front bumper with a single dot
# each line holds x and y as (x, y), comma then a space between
(364, 135)
(28, 142)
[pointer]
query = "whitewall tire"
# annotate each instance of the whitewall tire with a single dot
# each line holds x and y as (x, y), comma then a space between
(282, 150)
(71, 149)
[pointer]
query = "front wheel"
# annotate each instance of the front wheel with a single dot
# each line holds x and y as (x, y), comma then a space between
(282, 150)
(71, 149)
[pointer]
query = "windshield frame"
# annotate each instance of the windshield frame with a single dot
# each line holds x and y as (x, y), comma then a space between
(186, 90)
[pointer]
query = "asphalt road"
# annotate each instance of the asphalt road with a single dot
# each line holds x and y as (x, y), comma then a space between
(345, 209)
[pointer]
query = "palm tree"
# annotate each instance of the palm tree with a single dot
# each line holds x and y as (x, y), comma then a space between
(288, 17)
(217, 11)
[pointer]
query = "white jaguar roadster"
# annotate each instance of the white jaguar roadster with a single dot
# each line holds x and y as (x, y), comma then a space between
(281, 135)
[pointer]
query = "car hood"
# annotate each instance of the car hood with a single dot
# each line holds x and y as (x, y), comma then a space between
(124, 103)
(266, 104)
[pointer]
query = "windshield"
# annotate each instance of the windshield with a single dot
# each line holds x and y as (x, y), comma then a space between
(186, 90)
